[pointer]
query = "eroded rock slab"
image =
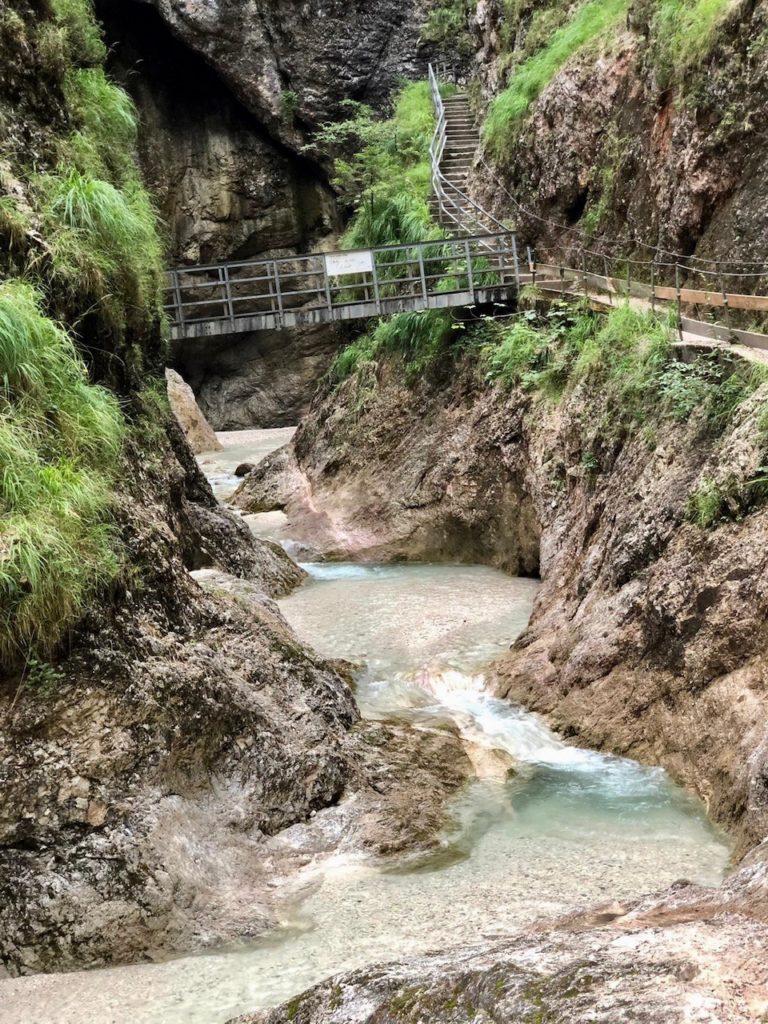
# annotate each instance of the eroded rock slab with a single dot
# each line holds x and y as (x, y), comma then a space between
(692, 968)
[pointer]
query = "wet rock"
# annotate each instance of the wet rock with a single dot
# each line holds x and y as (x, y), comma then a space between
(668, 959)
(200, 435)
(244, 469)
(612, 136)
(403, 478)
(649, 634)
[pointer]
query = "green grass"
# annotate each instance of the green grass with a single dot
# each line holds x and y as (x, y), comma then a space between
(591, 20)
(683, 34)
(14, 222)
(104, 142)
(79, 243)
(60, 439)
(82, 34)
(103, 246)
(420, 338)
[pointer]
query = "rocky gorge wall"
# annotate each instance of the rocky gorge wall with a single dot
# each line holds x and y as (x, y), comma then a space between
(157, 729)
(648, 638)
(648, 635)
(648, 136)
(228, 100)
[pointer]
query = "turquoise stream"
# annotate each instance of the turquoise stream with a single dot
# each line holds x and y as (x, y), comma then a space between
(566, 827)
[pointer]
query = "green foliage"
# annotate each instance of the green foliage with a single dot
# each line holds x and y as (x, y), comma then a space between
(420, 337)
(521, 351)
(42, 676)
(716, 502)
(104, 142)
(96, 257)
(613, 154)
(98, 252)
(14, 222)
(81, 32)
(103, 244)
(60, 439)
(382, 170)
(289, 104)
(387, 218)
(707, 504)
(590, 20)
(683, 34)
(350, 359)
(447, 26)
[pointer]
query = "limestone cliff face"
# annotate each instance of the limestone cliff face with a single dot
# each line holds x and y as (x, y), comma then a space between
(225, 186)
(292, 64)
(229, 95)
(648, 638)
(613, 149)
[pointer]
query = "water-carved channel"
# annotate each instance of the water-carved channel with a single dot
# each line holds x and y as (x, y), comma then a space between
(544, 827)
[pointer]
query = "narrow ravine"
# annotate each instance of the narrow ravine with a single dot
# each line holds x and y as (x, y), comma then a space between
(543, 828)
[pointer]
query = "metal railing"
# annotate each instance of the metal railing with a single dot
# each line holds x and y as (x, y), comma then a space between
(296, 290)
(456, 208)
(605, 280)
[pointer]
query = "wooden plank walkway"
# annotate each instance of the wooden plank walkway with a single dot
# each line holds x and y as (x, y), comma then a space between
(607, 292)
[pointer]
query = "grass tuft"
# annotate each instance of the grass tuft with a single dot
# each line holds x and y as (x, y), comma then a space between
(82, 34)
(103, 244)
(684, 33)
(590, 20)
(60, 439)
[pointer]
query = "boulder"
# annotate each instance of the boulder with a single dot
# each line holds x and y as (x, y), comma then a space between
(198, 431)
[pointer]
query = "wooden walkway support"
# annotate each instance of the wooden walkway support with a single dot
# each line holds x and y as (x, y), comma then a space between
(258, 295)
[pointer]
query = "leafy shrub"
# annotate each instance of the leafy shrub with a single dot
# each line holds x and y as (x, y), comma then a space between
(382, 169)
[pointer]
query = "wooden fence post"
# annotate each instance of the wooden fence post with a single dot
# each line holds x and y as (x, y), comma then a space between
(679, 302)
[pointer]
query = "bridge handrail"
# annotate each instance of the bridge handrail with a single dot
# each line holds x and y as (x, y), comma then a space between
(412, 272)
(391, 247)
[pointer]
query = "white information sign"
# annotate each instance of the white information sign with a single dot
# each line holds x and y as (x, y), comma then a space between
(338, 263)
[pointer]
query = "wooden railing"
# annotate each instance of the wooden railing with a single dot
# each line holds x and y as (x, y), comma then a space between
(252, 295)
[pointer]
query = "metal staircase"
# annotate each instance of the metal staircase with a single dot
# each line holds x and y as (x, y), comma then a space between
(455, 143)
